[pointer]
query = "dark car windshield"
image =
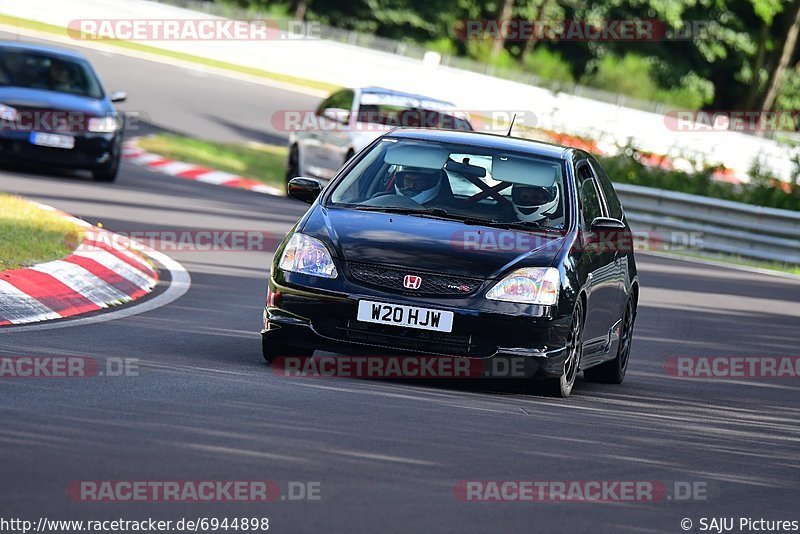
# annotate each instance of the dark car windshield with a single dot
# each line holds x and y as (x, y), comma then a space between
(37, 70)
(456, 181)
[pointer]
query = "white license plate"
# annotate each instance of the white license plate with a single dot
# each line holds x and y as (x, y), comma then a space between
(408, 316)
(53, 140)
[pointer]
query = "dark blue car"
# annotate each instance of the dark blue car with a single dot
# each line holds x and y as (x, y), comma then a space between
(55, 111)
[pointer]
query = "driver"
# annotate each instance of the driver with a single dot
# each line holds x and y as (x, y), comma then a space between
(60, 79)
(420, 185)
(533, 203)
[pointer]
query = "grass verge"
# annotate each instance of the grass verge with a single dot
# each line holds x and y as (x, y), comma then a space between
(31, 235)
(264, 163)
(259, 73)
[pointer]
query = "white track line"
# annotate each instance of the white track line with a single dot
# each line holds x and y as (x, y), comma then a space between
(721, 264)
(165, 60)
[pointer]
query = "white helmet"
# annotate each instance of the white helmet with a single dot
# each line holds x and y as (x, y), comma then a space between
(533, 203)
(420, 185)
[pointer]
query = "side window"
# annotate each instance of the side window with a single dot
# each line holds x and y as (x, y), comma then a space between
(589, 197)
(338, 100)
(612, 200)
(342, 100)
(325, 104)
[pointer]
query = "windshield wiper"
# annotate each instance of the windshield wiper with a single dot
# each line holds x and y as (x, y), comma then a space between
(495, 223)
(437, 212)
(441, 213)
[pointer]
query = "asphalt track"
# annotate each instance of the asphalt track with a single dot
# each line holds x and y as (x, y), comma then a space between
(387, 454)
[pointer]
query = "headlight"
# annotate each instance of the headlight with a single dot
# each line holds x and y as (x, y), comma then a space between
(532, 285)
(7, 113)
(307, 255)
(103, 125)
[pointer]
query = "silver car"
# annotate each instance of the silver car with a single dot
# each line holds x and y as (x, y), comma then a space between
(350, 119)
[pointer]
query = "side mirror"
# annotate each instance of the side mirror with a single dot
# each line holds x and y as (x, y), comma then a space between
(118, 97)
(607, 224)
(607, 234)
(304, 189)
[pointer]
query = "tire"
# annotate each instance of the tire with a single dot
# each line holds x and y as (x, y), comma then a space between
(292, 164)
(108, 172)
(561, 387)
(272, 350)
(613, 371)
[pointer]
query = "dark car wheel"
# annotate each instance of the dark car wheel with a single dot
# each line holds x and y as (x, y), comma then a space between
(562, 386)
(272, 350)
(613, 371)
(293, 164)
(108, 172)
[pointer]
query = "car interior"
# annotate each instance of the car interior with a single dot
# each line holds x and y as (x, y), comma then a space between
(467, 186)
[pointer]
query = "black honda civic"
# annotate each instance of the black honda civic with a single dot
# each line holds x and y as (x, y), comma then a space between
(461, 245)
(54, 111)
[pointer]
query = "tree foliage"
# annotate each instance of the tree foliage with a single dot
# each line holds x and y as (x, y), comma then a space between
(719, 54)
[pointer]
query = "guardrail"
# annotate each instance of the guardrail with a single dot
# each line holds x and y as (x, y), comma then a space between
(722, 226)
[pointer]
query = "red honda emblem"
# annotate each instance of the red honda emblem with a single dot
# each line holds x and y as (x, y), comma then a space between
(412, 282)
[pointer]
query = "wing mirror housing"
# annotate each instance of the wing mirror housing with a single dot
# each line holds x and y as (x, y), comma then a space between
(304, 189)
(607, 224)
(608, 234)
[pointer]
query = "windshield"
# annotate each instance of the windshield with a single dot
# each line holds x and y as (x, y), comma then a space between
(35, 70)
(410, 112)
(458, 182)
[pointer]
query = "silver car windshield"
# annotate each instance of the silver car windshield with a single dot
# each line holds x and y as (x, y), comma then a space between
(456, 181)
(408, 112)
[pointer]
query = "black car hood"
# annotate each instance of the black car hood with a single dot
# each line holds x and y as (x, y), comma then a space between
(49, 100)
(427, 244)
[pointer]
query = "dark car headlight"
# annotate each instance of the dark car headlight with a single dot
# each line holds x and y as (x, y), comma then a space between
(531, 285)
(307, 255)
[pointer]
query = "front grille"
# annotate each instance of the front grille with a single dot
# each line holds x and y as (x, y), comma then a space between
(391, 279)
(410, 339)
(31, 119)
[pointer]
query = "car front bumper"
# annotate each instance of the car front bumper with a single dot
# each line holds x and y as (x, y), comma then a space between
(311, 318)
(91, 150)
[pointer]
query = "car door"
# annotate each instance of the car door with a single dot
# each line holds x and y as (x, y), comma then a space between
(624, 241)
(599, 261)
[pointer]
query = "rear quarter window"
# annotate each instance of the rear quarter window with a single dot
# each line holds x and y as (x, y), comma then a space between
(612, 200)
